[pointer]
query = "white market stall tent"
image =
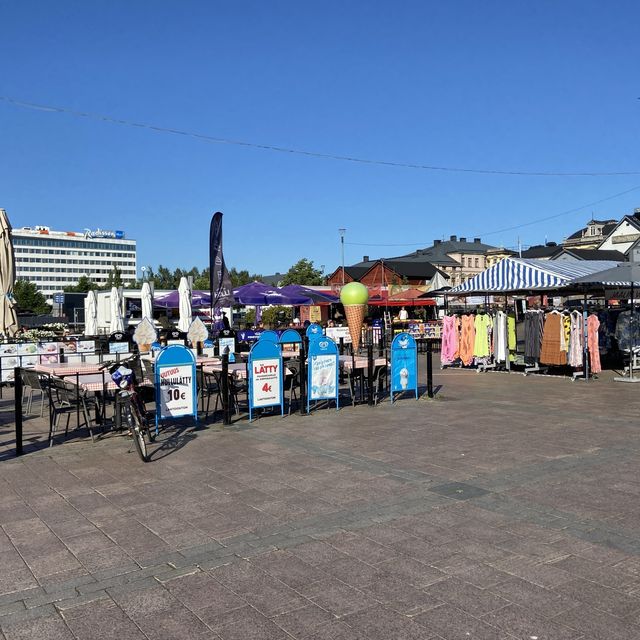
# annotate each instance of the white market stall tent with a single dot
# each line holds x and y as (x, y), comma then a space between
(529, 274)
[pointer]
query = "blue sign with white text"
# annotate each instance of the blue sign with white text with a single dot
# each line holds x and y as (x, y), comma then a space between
(404, 364)
(314, 330)
(175, 383)
(322, 370)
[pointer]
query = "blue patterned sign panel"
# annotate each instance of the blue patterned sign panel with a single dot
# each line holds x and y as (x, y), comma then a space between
(404, 364)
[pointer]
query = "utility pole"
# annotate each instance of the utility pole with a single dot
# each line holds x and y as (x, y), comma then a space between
(342, 232)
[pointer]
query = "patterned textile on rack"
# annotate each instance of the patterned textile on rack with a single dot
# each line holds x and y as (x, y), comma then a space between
(574, 357)
(593, 324)
(533, 322)
(551, 352)
(565, 332)
(628, 330)
(467, 339)
(450, 330)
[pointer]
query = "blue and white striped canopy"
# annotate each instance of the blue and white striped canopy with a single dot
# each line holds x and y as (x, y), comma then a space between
(522, 274)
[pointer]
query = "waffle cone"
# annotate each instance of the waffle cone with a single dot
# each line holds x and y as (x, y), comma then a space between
(355, 317)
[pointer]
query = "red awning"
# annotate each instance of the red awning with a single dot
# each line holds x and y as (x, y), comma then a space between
(407, 298)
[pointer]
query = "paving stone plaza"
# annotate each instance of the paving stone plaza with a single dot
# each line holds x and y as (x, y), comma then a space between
(505, 508)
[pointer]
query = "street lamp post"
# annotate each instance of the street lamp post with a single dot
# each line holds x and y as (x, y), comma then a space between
(342, 232)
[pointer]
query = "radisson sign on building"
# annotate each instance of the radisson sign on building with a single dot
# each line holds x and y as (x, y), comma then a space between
(54, 260)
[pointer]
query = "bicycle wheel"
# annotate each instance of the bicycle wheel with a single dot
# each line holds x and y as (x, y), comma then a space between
(137, 433)
(138, 405)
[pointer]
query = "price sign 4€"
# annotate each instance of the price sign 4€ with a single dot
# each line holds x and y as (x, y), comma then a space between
(266, 382)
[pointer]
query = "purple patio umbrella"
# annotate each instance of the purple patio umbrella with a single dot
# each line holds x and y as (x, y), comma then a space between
(316, 297)
(171, 300)
(257, 293)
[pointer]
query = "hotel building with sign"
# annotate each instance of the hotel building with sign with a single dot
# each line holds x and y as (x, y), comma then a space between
(53, 260)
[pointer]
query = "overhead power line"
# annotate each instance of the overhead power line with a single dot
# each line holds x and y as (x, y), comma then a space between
(303, 152)
(505, 229)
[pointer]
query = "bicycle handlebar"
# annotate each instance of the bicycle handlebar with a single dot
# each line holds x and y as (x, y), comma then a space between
(125, 362)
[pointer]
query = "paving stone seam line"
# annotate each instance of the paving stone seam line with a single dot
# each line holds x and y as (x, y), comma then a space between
(345, 521)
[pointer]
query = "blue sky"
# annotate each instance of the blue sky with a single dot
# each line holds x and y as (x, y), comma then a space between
(545, 86)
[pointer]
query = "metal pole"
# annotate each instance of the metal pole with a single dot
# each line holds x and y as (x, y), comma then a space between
(370, 374)
(17, 404)
(429, 368)
(302, 371)
(342, 232)
(224, 383)
(585, 337)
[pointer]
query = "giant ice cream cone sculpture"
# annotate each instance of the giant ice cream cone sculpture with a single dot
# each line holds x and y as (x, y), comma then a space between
(354, 297)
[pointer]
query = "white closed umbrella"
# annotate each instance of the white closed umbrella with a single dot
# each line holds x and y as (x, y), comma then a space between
(437, 282)
(147, 302)
(91, 314)
(117, 321)
(8, 317)
(184, 295)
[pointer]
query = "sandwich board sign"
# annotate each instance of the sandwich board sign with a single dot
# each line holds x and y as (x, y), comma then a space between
(175, 382)
(404, 364)
(266, 380)
(322, 370)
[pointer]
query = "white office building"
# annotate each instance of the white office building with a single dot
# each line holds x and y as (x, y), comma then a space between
(54, 260)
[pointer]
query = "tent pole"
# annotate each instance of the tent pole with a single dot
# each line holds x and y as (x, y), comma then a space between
(506, 336)
(585, 332)
(633, 324)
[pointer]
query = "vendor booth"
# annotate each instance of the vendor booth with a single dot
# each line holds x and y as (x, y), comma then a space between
(556, 336)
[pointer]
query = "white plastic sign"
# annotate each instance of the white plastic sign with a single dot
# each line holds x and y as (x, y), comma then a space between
(266, 382)
(176, 391)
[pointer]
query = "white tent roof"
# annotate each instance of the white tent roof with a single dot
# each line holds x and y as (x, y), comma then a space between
(522, 274)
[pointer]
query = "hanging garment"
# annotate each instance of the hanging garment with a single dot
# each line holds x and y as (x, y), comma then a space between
(550, 352)
(482, 342)
(593, 324)
(628, 330)
(449, 348)
(467, 340)
(511, 336)
(565, 332)
(576, 341)
(533, 323)
(500, 337)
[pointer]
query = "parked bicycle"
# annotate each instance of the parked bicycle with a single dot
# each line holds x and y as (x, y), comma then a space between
(130, 403)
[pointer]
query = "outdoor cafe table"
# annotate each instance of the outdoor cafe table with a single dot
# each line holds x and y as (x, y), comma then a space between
(64, 369)
(361, 369)
(361, 362)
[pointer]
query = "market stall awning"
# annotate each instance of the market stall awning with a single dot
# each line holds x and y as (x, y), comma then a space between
(530, 274)
(406, 298)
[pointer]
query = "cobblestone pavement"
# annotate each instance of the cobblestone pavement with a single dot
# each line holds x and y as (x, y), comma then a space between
(505, 508)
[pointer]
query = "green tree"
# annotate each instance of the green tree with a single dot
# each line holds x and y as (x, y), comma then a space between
(164, 279)
(84, 285)
(240, 277)
(277, 316)
(29, 298)
(201, 281)
(114, 279)
(302, 272)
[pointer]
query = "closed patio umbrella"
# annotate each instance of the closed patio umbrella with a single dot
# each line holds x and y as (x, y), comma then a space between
(91, 314)
(184, 293)
(147, 302)
(117, 321)
(8, 318)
